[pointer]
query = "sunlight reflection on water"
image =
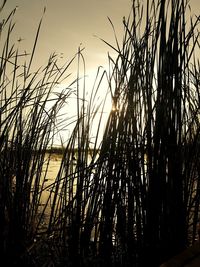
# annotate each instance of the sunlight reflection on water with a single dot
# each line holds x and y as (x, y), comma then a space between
(52, 171)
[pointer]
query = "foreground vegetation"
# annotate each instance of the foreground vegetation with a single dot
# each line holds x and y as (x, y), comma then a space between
(133, 200)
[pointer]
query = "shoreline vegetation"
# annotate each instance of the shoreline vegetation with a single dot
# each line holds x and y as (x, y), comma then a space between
(133, 196)
(60, 150)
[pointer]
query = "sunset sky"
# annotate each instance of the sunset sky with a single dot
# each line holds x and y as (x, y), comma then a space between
(67, 24)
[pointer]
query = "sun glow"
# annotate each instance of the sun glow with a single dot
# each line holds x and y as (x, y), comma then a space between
(90, 93)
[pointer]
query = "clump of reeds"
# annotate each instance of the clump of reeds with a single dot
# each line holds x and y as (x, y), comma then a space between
(149, 178)
(138, 202)
(27, 130)
(133, 200)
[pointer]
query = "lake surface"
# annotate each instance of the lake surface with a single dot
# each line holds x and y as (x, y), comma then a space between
(52, 171)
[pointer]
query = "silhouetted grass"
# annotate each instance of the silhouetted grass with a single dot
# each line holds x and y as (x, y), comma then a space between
(27, 129)
(150, 173)
(151, 139)
(143, 201)
(133, 200)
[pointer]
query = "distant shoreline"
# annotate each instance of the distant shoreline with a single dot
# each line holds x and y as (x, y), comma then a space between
(60, 150)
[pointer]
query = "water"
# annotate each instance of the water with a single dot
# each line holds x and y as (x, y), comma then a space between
(52, 171)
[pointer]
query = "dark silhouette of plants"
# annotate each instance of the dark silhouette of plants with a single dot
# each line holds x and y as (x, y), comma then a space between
(133, 200)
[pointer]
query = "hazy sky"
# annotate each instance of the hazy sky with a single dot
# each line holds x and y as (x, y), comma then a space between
(68, 23)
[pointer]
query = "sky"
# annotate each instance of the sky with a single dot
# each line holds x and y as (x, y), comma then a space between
(67, 24)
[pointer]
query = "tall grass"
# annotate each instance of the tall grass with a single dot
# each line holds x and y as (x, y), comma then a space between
(133, 200)
(143, 204)
(27, 129)
(151, 188)
(150, 176)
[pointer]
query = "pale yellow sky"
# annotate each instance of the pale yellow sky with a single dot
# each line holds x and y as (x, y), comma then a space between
(66, 25)
(69, 23)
